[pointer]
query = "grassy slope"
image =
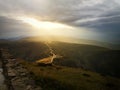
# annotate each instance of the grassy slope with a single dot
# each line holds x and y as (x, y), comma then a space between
(27, 50)
(64, 78)
(99, 59)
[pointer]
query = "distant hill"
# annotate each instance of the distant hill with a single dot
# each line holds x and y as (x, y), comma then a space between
(74, 71)
(115, 46)
(91, 57)
(95, 58)
(30, 51)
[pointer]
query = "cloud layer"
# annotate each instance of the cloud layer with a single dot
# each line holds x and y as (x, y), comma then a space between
(102, 16)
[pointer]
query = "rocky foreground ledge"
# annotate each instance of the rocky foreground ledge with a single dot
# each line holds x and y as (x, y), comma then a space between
(16, 76)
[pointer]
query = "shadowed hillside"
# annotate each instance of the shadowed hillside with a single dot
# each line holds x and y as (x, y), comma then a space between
(95, 58)
(73, 70)
(99, 59)
(65, 78)
(27, 50)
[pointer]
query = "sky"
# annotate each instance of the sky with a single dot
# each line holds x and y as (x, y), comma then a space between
(84, 19)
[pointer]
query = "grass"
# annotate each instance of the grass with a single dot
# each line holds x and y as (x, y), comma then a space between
(94, 58)
(64, 78)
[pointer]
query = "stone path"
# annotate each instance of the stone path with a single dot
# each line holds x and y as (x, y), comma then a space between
(17, 77)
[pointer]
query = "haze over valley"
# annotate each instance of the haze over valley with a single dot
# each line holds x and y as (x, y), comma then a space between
(59, 45)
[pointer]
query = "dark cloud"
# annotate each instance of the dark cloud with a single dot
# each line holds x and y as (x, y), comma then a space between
(12, 28)
(101, 16)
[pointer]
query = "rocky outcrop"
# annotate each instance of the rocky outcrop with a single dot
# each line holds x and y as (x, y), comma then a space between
(17, 77)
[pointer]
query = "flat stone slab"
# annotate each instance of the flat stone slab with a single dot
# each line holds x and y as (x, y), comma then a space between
(19, 76)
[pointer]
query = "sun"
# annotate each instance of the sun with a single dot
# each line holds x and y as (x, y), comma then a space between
(46, 25)
(46, 28)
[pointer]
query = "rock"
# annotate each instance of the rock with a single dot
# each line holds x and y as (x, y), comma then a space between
(18, 76)
(29, 87)
(11, 73)
(14, 79)
(9, 65)
(23, 74)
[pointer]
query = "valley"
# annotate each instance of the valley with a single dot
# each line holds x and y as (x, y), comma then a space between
(64, 66)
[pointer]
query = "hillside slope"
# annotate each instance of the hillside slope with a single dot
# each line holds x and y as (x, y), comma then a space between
(99, 59)
(95, 58)
(64, 78)
(72, 71)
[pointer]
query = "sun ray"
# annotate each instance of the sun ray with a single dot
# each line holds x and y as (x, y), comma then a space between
(46, 25)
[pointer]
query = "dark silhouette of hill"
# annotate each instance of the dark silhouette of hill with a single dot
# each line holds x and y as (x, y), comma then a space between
(30, 51)
(99, 59)
(111, 45)
(91, 57)
(66, 39)
(74, 70)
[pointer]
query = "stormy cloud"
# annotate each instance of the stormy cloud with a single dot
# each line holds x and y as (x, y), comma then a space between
(99, 16)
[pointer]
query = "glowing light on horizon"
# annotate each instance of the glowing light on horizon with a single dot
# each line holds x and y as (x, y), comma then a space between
(47, 28)
(46, 25)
